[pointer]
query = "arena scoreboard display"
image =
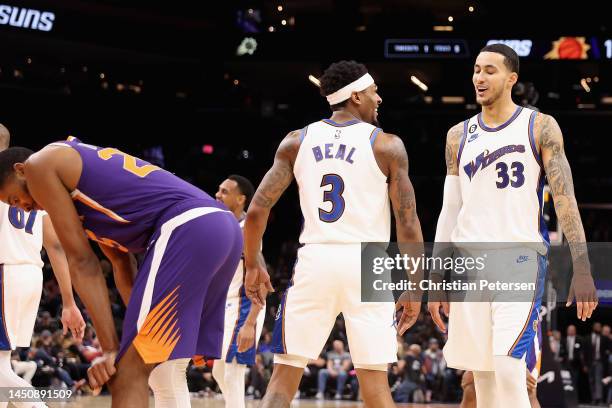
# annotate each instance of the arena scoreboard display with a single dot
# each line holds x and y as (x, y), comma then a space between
(556, 48)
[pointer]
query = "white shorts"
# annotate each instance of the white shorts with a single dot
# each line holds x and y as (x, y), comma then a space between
(20, 297)
(477, 331)
(327, 282)
(236, 312)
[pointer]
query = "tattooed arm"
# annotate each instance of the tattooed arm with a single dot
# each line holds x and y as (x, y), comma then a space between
(274, 183)
(393, 160)
(453, 138)
(559, 174)
(393, 157)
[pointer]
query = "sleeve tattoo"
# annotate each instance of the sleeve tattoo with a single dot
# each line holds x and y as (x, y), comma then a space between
(559, 176)
(453, 139)
(280, 175)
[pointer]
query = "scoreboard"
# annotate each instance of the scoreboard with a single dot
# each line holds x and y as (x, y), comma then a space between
(556, 48)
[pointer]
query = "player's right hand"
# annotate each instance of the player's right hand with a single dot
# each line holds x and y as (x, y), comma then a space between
(410, 308)
(101, 370)
(73, 320)
(257, 283)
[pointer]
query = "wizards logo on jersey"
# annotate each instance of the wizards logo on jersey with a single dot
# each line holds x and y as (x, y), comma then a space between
(485, 158)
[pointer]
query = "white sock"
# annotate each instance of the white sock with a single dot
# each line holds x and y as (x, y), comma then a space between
(484, 384)
(234, 382)
(218, 373)
(511, 383)
(169, 384)
(8, 378)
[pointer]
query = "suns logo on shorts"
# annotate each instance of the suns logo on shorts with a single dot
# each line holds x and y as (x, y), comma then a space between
(535, 325)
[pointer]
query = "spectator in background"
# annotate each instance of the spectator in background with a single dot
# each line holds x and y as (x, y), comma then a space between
(555, 344)
(46, 322)
(594, 353)
(410, 369)
(572, 357)
(311, 375)
(338, 366)
(47, 354)
(434, 367)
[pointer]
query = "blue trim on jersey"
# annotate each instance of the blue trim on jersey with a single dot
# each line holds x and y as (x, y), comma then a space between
(463, 138)
(373, 136)
(303, 134)
(532, 142)
(5, 343)
(483, 125)
(343, 124)
(525, 340)
(245, 357)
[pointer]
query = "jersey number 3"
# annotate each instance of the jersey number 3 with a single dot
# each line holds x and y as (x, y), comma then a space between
(334, 196)
(17, 218)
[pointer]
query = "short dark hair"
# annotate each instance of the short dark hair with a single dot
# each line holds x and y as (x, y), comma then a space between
(8, 158)
(338, 75)
(245, 186)
(511, 58)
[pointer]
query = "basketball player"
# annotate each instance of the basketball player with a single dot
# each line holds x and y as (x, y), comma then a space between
(191, 247)
(533, 360)
(22, 236)
(496, 163)
(347, 170)
(243, 322)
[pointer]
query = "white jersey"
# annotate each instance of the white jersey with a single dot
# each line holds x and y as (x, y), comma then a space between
(343, 193)
(502, 179)
(21, 236)
(235, 289)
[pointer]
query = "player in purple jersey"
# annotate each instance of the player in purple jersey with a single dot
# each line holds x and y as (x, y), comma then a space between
(191, 246)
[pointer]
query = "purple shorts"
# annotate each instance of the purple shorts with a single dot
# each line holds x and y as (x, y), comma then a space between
(176, 308)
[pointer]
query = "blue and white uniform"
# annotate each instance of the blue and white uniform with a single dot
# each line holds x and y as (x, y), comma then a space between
(501, 180)
(237, 307)
(21, 278)
(344, 201)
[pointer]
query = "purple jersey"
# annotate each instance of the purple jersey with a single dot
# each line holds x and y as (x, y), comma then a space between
(121, 199)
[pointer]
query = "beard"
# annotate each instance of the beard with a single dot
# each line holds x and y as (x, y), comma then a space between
(489, 101)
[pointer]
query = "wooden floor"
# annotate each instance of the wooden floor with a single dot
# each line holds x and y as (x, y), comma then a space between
(104, 402)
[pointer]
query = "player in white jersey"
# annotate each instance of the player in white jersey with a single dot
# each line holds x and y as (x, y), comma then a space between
(496, 162)
(243, 322)
(22, 237)
(347, 169)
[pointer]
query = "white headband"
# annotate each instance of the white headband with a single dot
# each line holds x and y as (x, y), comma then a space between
(344, 93)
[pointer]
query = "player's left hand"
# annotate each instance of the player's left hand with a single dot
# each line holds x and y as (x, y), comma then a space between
(246, 337)
(73, 320)
(583, 290)
(101, 370)
(410, 309)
